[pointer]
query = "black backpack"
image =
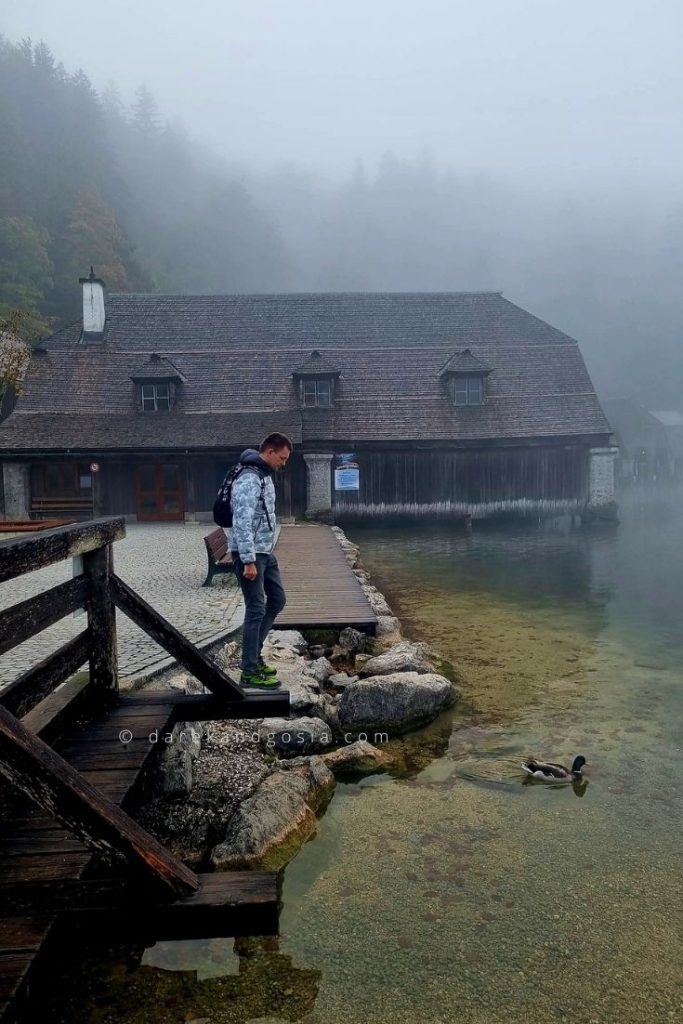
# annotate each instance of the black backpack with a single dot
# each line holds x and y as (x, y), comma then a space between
(222, 506)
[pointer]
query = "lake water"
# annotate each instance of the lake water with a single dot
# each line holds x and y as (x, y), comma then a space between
(450, 891)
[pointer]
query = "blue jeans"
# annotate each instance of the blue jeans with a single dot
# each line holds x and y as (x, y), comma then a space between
(264, 598)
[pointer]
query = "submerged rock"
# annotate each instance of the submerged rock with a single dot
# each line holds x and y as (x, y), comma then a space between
(360, 756)
(405, 656)
(395, 702)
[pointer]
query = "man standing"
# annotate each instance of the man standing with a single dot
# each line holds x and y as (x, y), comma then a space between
(251, 544)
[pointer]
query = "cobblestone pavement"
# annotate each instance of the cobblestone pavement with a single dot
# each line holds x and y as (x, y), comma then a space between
(166, 564)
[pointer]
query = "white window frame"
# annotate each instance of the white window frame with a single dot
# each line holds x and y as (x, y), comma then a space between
(154, 400)
(467, 390)
(312, 388)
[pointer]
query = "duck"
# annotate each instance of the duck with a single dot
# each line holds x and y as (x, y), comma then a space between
(549, 771)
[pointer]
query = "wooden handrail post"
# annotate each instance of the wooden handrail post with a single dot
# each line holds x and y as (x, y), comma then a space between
(98, 567)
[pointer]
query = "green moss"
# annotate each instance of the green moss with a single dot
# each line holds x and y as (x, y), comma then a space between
(447, 669)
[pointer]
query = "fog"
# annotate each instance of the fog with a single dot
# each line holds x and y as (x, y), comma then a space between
(528, 147)
(518, 86)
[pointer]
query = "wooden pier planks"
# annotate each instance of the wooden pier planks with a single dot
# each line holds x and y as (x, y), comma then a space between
(35, 849)
(35, 852)
(322, 591)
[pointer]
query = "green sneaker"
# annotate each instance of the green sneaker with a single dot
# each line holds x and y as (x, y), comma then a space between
(267, 671)
(256, 679)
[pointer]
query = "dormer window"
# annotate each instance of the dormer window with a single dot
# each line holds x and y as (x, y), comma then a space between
(316, 393)
(156, 397)
(465, 377)
(468, 390)
(157, 382)
(316, 380)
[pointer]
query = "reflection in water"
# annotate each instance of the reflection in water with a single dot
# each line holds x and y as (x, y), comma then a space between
(449, 890)
(189, 981)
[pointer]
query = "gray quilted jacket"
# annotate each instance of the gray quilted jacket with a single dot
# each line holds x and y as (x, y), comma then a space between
(253, 509)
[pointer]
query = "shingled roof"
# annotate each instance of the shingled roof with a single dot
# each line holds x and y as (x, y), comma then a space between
(316, 366)
(240, 353)
(158, 369)
(464, 362)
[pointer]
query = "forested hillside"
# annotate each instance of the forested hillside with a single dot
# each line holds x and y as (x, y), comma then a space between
(86, 181)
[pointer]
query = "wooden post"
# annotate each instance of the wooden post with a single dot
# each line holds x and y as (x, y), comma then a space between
(98, 566)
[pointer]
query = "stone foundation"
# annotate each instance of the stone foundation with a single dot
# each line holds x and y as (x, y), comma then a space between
(17, 491)
(601, 504)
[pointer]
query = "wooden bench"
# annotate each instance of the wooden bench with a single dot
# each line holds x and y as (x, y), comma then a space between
(41, 506)
(218, 555)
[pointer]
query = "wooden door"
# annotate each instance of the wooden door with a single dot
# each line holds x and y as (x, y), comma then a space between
(159, 492)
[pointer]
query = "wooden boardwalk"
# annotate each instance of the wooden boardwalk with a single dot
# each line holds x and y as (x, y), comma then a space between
(71, 776)
(322, 591)
(41, 862)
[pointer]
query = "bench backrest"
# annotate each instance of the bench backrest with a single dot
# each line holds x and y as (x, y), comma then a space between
(216, 543)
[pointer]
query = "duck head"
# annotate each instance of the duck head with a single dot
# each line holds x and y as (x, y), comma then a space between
(579, 762)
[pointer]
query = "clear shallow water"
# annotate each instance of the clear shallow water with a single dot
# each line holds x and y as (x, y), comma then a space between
(450, 891)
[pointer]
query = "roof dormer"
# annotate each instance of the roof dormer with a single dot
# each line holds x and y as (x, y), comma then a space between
(465, 378)
(156, 384)
(316, 379)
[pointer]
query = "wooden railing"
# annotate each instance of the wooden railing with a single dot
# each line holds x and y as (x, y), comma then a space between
(25, 759)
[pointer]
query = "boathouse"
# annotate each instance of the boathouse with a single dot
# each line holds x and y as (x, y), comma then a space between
(397, 404)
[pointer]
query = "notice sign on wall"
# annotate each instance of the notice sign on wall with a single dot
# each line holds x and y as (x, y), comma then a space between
(346, 472)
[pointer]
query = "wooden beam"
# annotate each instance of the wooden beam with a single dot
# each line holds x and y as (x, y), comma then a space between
(47, 718)
(97, 568)
(34, 768)
(225, 903)
(27, 618)
(168, 637)
(24, 554)
(33, 686)
(197, 707)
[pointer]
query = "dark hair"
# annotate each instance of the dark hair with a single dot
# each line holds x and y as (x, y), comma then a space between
(275, 441)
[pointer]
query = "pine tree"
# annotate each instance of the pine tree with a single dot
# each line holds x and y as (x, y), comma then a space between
(146, 116)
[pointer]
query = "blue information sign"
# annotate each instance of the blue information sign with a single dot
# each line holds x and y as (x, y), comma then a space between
(346, 473)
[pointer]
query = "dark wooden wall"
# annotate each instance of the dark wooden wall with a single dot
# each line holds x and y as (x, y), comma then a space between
(451, 482)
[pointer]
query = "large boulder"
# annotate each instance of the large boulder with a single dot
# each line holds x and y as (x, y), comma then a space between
(395, 703)
(271, 825)
(294, 736)
(405, 656)
(317, 776)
